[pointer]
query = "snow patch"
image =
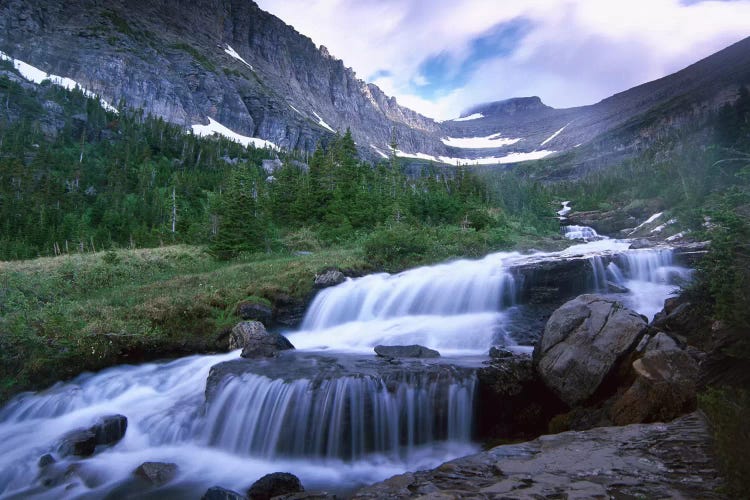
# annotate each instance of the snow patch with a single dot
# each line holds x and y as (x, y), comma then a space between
(215, 127)
(553, 135)
(36, 75)
(647, 221)
(379, 151)
(322, 123)
(677, 236)
(474, 116)
(659, 229)
(491, 141)
(297, 110)
(509, 158)
(229, 50)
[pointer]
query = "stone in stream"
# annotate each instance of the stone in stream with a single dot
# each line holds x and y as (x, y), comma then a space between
(79, 443)
(256, 342)
(273, 485)
(219, 493)
(582, 343)
(405, 351)
(156, 473)
(110, 429)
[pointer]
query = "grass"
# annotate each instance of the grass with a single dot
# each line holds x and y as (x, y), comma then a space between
(60, 316)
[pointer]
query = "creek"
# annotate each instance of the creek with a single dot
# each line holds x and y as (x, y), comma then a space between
(329, 412)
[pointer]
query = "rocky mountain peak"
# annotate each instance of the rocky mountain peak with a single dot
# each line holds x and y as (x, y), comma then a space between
(511, 106)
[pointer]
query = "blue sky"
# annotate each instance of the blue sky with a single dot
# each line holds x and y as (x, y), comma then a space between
(439, 57)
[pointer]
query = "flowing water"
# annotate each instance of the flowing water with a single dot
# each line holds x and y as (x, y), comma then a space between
(334, 433)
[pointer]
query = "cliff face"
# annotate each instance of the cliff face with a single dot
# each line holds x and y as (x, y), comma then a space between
(172, 58)
(190, 60)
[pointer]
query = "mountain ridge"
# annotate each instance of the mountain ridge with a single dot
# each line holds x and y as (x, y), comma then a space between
(232, 62)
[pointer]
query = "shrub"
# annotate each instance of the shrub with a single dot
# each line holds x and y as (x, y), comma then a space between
(396, 247)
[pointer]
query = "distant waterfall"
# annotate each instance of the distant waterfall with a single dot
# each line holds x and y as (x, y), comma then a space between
(580, 233)
(346, 417)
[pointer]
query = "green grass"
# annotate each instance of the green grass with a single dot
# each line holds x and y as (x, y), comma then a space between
(60, 316)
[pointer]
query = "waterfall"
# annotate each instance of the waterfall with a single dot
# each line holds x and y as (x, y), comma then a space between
(580, 233)
(363, 420)
(347, 417)
(427, 306)
(460, 287)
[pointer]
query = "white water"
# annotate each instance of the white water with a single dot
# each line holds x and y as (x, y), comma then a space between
(580, 233)
(337, 433)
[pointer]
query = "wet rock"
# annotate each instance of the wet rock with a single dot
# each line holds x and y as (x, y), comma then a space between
(329, 277)
(615, 288)
(512, 400)
(672, 460)
(79, 443)
(274, 484)
(583, 342)
(219, 493)
(46, 460)
(500, 352)
(256, 342)
(248, 310)
(641, 243)
(110, 429)
(405, 351)
(156, 473)
(664, 389)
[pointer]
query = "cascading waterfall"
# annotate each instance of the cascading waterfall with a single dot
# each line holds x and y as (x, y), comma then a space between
(427, 305)
(347, 417)
(580, 233)
(338, 431)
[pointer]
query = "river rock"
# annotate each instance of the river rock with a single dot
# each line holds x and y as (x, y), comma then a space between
(79, 443)
(256, 342)
(664, 389)
(156, 473)
(219, 493)
(249, 310)
(499, 352)
(273, 485)
(582, 343)
(641, 243)
(672, 460)
(110, 429)
(512, 400)
(329, 277)
(46, 460)
(405, 351)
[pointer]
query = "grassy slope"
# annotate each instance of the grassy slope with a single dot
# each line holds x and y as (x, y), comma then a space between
(61, 316)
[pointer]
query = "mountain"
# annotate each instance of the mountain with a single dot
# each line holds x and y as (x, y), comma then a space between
(249, 72)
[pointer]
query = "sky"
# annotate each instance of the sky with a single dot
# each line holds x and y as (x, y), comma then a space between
(440, 57)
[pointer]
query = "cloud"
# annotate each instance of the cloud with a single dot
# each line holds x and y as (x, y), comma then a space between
(439, 57)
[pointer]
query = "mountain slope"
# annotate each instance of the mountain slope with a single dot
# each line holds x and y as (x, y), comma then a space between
(247, 70)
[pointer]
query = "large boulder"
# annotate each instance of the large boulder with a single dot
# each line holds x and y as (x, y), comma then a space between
(273, 485)
(256, 342)
(405, 351)
(583, 342)
(665, 385)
